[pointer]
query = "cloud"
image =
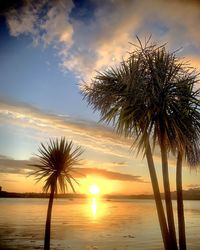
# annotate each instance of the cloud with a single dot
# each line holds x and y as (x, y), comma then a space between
(109, 174)
(12, 166)
(45, 21)
(121, 163)
(88, 134)
(101, 38)
(110, 165)
(22, 22)
(93, 137)
(105, 40)
(56, 24)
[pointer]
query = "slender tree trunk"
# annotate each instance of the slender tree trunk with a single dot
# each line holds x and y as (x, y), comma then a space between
(168, 200)
(180, 207)
(157, 197)
(48, 220)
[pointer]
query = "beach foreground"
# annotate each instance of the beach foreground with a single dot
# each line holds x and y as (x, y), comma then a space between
(89, 224)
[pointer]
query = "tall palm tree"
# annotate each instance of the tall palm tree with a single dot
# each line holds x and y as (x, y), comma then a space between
(160, 93)
(119, 96)
(188, 147)
(142, 98)
(174, 121)
(193, 157)
(178, 124)
(57, 161)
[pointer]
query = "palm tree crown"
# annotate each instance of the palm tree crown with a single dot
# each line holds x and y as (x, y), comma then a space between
(152, 91)
(57, 160)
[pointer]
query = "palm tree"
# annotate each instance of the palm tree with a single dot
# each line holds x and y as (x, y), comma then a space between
(188, 147)
(174, 120)
(119, 96)
(160, 93)
(142, 98)
(57, 160)
(193, 158)
(178, 128)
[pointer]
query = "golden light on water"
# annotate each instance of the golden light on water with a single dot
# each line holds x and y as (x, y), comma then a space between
(94, 207)
(97, 208)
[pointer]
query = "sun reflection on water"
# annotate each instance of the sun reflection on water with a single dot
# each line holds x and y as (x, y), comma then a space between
(94, 207)
(97, 208)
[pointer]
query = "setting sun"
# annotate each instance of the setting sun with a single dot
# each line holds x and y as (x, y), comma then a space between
(94, 189)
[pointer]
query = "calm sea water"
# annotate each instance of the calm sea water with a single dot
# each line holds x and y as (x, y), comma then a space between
(82, 224)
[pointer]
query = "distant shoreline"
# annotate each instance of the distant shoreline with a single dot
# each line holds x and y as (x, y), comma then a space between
(191, 194)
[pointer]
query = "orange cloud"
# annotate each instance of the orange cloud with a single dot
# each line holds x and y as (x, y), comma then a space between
(12, 166)
(108, 174)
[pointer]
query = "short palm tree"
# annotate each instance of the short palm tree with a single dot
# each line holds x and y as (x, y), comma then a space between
(57, 161)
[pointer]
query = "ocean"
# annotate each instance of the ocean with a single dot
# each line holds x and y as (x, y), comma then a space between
(90, 224)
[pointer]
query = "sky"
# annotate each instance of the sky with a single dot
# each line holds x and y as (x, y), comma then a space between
(48, 50)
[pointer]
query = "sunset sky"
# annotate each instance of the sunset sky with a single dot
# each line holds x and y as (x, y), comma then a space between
(49, 48)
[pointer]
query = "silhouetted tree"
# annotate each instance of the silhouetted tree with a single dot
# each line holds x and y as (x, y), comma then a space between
(187, 148)
(57, 161)
(119, 96)
(174, 110)
(144, 98)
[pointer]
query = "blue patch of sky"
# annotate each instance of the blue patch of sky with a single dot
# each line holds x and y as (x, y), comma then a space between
(32, 75)
(17, 142)
(191, 50)
(156, 28)
(83, 10)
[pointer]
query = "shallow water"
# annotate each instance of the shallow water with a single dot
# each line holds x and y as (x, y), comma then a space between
(88, 224)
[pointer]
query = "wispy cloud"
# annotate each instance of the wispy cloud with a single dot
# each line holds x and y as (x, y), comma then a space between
(93, 137)
(102, 37)
(109, 174)
(85, 133)
(105, 164)
(12, 166)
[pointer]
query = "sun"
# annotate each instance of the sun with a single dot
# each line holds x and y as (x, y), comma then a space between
(94, 189)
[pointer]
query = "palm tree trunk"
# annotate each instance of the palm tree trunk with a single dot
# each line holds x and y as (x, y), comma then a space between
(168, 200)
(157, 197)
(180, 207)
(48, 220)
